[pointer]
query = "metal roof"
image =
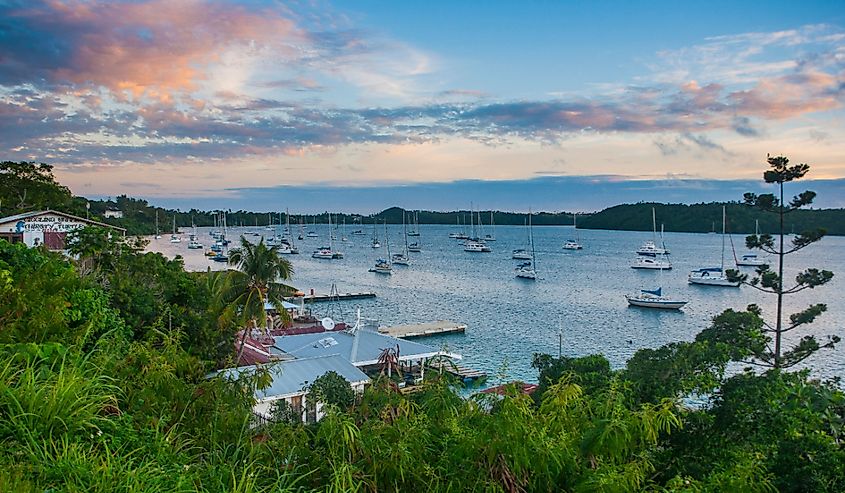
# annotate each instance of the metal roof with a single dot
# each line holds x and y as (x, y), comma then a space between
(369, 347)
(285, 305)
(291, 377)
(27, 215)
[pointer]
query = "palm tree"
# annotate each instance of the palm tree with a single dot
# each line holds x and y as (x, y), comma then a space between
(257, 280)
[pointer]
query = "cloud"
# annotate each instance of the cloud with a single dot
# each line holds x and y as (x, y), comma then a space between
(108, 83)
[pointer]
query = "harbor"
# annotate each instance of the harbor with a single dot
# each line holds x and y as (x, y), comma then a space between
(577, 304)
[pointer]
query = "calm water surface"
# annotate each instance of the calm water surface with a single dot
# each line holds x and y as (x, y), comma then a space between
(578, 294)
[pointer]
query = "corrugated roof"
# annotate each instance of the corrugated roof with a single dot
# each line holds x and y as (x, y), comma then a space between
(370, 345)
(290, 377)
(27, 215)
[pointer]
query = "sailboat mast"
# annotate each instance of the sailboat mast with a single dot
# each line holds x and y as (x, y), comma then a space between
(386, 240)
(653, 226)
(531, 240)
(723, 239)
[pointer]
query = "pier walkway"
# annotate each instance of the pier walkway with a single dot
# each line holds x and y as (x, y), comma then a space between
(423, 330)
(317, 298)
(462, 372)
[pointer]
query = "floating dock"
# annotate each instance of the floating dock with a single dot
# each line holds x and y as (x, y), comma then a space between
(317, 298)
(437, 327)
(462, 372)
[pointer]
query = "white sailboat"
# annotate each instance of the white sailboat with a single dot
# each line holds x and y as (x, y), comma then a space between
(650, 256)
(714, 276)
(328, 253)
(158, 233)
(174, 238)
(383, 266)
(650, 247)
(286, 245)
(523, 253)
(415, 227)
(375, 242)
(193, 244)
(401, 258)
(473, 244)
(489, 237)
(576, 243)
(654, 299)
(750, 259)
(528, 269)
(312, 233)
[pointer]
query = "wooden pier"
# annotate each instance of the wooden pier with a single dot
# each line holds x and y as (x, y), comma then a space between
(462, 372)
(437, 327)
(317, 297)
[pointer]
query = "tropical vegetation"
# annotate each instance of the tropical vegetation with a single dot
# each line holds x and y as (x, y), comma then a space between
(107, 384)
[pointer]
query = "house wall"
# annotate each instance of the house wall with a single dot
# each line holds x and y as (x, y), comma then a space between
(300, 400)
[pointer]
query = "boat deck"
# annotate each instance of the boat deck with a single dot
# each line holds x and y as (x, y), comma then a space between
(423, 330)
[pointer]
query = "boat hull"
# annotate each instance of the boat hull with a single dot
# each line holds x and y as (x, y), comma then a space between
(713, 281)
(656, 303)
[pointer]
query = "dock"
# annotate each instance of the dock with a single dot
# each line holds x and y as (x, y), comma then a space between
(317, 297)
(462, 372)
(437, 327)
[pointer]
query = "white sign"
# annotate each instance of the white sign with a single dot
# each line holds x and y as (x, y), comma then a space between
(56, 224)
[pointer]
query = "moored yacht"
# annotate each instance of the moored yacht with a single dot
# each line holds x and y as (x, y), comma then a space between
(714, 276)
(652, 262)
(654, 299)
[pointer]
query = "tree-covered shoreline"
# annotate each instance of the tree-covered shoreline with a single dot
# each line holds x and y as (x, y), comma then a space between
(31, 186)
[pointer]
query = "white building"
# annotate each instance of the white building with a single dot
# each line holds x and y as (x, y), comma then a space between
(112, 213)
(45, 228)
(291, 379)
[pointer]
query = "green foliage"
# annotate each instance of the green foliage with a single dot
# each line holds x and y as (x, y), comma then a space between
(332, 389)
(772, 281)
(28, 186)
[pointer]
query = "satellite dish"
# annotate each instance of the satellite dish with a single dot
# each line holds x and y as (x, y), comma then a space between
(327, 323)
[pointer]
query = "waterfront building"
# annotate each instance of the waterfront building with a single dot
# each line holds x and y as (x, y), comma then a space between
(47, 228)
(291, 379)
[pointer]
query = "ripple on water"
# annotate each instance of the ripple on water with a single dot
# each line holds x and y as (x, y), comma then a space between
(579, 293)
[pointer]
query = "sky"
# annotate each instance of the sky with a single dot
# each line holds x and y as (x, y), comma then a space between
(361, 105)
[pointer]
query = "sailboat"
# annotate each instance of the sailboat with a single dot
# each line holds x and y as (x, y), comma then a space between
(457, 234)
(750, 259)
(343, 231)
(654, 299)
(174, 238)
(490, 237)
(312, 233)
(528, 269)
(473, 244)
(576, 243)
(328, 252)
(416, 246)
(375, 242)
(382, 266)
(415, 228)
(193, 244)
(714, 276)
(158, 234)
(650, 247)
(650, 256)
(523, 253)
(286, 245)
(401, 258)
